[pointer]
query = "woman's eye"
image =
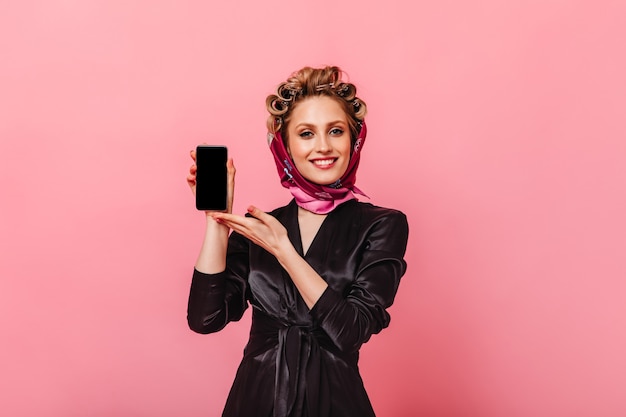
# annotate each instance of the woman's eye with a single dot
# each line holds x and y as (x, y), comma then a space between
(306, 134)
(336, 131)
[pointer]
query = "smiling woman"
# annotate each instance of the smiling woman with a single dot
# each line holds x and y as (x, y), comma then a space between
(318, 140)
(320, 273)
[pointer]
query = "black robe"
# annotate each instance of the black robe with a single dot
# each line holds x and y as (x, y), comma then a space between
(300, 362)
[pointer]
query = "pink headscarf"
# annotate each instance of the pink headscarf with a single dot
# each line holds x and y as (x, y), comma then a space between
(320, 199)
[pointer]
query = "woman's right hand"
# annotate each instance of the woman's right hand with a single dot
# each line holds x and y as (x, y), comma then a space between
(230, 167)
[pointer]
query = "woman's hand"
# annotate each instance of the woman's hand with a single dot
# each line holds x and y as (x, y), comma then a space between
(267, 232)
(262, 229)
(230, 167)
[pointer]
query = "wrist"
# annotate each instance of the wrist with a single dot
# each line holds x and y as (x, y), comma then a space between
(214, 226)
(286, 252)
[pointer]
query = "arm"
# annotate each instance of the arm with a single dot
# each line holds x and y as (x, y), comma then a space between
(218, 286)
(349, 320)
(217, 299)
(267, 232)
(212, 257)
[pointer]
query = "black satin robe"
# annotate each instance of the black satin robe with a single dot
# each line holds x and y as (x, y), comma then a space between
(299, 362)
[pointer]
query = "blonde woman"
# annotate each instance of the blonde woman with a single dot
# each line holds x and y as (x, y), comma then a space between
(319, 273)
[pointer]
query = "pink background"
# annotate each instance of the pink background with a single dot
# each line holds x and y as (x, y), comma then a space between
(496, 126)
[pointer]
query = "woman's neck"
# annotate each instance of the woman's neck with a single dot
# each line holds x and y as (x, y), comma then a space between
(309, 224)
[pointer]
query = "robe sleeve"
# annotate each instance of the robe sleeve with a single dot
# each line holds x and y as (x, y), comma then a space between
(217, 299)
(351, 318)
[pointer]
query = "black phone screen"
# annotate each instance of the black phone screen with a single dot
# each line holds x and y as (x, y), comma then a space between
(211, 178)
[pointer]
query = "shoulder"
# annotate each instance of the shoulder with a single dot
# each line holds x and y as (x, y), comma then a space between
(377, 211)
(370, 213)
(382, 230)
(374, 223)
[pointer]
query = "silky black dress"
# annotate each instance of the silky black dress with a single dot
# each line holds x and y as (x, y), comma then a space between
(300, 362)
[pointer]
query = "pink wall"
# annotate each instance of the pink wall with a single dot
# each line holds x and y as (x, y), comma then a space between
(497, 126)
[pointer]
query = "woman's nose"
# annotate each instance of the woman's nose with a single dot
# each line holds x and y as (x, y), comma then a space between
(323, 144)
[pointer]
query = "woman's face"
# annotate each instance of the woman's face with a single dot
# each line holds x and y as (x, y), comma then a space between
(319, 139)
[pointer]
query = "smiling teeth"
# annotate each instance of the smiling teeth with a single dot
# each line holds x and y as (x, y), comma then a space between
(323, 162)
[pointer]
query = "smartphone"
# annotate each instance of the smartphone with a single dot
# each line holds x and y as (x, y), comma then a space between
(211, 178)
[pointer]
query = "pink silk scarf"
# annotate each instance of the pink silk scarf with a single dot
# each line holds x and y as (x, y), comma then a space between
(320, 199)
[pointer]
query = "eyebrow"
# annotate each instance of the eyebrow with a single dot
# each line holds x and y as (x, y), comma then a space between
(335, 122)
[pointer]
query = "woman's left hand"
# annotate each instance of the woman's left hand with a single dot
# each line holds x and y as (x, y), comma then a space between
(262, 229)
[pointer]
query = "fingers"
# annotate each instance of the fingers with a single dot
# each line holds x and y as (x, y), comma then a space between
(262, 228)
(231, 219)
(191, 178)
(236, 222)
(193, 169)
(249, 227)
(261, 215)
(230, 169)
(239, 228)
(239, 224)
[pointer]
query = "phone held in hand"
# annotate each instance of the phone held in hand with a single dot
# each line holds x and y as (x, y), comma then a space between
(211, 178)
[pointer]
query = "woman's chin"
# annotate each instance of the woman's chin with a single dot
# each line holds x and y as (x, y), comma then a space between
(323, 181)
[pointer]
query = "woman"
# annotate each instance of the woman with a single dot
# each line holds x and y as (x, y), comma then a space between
(319, 273)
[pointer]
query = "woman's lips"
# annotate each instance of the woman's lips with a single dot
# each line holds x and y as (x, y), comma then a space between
(325, 163)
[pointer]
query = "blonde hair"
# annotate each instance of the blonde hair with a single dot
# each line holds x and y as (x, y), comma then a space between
(311, 82)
